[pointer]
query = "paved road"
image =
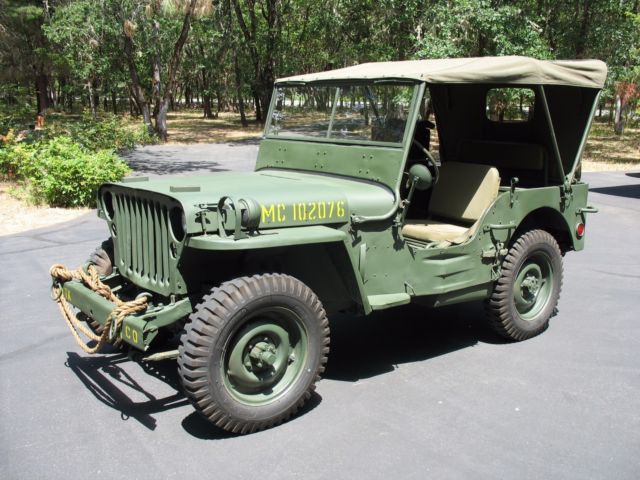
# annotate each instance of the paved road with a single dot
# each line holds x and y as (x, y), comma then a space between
(408, 393)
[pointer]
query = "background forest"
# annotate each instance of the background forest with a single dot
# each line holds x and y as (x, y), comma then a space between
(150, 56)
(72, 64)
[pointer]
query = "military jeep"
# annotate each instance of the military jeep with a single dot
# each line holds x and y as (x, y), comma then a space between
(377, 185)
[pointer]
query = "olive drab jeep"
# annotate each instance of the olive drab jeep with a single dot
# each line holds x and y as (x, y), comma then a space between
(377, 185)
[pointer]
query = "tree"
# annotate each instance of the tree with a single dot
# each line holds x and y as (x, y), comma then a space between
(260, 24)
(146, 27)
(25, 53)
(87, 43)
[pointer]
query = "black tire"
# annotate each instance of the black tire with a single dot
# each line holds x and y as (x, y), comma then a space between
(223, 376)
(525, 296)
(102, 258)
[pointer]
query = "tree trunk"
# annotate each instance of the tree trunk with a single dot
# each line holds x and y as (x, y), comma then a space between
(238, 77)
(585, 23)
(42, 99)
(155, 71)
(136, 89)
(187, 95)
(208, 113)
(96, 95)
(219, 101)
(619, 123)
(161, 120)
(92, 99)
(170, 84)
(256, 103)
(114, 102)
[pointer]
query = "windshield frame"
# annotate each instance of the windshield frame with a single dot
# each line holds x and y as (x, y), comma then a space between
(417, 90)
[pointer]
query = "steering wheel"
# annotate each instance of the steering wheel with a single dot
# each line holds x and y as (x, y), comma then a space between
(430, 160)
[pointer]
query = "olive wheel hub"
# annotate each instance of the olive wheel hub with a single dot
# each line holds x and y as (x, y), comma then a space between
(265, 357)
(533, 286)
(262, 355)
(530, 286)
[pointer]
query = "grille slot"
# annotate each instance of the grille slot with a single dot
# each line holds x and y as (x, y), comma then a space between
(142, 240)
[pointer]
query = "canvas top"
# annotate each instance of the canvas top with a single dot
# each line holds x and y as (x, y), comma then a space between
(495, 70)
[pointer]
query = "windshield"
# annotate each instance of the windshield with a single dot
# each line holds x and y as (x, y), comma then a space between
(375, 112)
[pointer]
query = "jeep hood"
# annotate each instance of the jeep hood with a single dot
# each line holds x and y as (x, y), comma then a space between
(285, 197)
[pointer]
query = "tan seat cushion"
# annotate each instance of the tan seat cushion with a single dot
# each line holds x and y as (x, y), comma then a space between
(464, 191)
(433, 231)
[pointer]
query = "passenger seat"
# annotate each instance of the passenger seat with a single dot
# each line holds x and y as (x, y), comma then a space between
(463, 193)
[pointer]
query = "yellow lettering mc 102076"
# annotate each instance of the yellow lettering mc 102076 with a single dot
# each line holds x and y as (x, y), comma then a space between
(302, 211)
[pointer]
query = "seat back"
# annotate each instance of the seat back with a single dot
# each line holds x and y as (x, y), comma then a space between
(464, 191)
(527, 161)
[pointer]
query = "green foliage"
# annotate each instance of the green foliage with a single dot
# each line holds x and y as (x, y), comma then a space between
(110, 133)
(237, 47)
(59, 171)
(16, 159)
(69, 176)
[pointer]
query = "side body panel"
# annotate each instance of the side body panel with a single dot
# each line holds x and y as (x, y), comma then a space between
(379, 262)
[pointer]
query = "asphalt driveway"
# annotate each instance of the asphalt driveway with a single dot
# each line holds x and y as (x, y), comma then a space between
(410, 393)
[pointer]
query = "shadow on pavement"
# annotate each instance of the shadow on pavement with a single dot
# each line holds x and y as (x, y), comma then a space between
(196, 426)
(360, 348)
(633, 174)
(629, 191)
(244, 141)
(102, 375)
(365, 347)
(160, 166)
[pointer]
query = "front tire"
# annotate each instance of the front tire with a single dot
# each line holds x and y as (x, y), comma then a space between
(253, 350)
(526, 295)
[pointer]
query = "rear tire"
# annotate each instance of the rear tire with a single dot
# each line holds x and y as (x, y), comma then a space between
(253, 350)
(525, 296)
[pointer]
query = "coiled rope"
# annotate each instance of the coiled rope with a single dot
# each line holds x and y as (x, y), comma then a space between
(91, 279)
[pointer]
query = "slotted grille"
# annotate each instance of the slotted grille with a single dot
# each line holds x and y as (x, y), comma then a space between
(142, 240)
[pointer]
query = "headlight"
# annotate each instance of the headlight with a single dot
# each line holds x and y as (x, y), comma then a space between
(107, 205)
(250, 213)
(178, 222)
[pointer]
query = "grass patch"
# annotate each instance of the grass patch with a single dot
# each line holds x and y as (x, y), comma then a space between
(607, 151)
(190, 127)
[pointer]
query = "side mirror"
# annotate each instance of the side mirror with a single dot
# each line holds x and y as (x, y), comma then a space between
(420, 177)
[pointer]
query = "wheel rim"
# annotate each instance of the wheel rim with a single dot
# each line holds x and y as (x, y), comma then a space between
(533, 285)
(265, 356)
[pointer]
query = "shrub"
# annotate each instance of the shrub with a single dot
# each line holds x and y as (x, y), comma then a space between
(110, 132)
(64, 164)
(67, 175)
(15, 158)
(59, 171)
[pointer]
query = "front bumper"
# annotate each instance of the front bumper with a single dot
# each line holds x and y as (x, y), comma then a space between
(137, 330)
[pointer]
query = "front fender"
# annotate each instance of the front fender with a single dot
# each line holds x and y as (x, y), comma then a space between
(305, 238)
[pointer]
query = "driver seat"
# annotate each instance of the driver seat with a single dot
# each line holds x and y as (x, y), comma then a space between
(463, 193)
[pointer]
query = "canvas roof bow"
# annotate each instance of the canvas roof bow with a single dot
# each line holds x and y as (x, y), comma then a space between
(495, 70)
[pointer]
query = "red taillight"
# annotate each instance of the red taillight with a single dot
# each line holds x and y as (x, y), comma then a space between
(580, 230)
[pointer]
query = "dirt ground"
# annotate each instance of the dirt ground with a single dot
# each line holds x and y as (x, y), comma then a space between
(605, 151)
(190, 127)
(18, 215)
